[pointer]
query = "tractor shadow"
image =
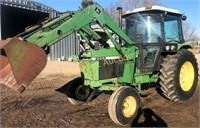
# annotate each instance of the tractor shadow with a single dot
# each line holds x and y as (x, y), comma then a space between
(150, 120)
(64, 88)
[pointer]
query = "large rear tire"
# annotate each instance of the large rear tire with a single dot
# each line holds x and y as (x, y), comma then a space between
(179, 76)
(124, 105)
(78, 93)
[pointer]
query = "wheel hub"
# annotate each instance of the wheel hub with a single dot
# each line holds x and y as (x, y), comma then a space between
(187, 76)
(129, 106)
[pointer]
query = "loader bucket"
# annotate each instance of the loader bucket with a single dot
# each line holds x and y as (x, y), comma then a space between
(20, 63)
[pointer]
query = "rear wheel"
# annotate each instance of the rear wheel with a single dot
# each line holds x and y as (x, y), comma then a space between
(124, 105)
(78, 93)
(179, 76)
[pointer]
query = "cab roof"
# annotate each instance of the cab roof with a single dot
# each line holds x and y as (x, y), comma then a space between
(153, 8)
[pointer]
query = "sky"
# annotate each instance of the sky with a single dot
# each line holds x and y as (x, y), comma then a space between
(191, 8)
(66, 5)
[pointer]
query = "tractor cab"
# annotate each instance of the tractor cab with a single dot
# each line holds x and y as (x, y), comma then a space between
(155, 30)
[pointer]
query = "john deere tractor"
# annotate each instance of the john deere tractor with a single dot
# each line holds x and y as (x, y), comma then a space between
(151, 50)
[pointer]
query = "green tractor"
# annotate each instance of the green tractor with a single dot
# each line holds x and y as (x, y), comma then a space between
(151, 50)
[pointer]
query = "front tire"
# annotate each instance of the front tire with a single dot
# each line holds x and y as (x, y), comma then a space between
(179, 76)
(78, 93)
(124, 105)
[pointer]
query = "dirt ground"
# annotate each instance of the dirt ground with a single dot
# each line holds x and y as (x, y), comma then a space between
(42, 106)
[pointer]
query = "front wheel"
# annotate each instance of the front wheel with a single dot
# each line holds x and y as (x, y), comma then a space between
(78, 93)
(124, 105)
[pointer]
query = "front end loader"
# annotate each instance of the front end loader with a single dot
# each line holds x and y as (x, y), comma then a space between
(151, 50)
(21, 62)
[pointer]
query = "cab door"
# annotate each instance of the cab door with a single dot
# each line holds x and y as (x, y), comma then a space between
(150, 58)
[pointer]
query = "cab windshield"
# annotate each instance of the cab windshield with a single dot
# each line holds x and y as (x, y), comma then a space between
(143, 28)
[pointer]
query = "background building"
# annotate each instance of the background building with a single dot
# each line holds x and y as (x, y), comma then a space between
(16, 15)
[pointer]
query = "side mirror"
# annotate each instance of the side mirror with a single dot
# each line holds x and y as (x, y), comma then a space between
(184, 18)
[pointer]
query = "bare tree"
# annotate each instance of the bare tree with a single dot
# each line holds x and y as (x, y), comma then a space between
(129, 5)
(189, 32)
(132, 4)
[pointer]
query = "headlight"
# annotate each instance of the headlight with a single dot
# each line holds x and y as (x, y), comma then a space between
(173, 47)
(167, 48)
(170, 47)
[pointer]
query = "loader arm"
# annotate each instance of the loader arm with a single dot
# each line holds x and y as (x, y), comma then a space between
(79, 21)
(24, 59)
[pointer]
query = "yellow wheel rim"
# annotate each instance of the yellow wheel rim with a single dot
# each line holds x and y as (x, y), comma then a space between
(187, 75)
(129, 106)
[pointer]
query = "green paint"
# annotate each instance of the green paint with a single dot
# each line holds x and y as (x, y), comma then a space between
(90, 69)
(128, 73)
(102, 84)
(188, 45)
